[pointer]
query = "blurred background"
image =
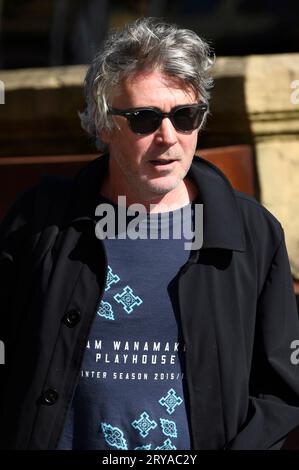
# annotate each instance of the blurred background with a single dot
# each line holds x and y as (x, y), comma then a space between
(43, 33)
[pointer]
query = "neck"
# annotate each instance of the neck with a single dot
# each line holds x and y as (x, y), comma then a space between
(175, 199)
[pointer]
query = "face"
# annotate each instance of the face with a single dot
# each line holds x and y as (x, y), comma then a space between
(144, 167)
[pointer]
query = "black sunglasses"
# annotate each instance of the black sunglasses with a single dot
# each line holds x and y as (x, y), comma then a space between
(184, 118)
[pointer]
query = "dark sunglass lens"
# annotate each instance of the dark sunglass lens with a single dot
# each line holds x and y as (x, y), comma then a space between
(188, 119)
(144, 122)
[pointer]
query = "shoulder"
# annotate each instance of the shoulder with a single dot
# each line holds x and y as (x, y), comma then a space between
(19, 211)
(260, 226)
(31, 206)
(253, 210)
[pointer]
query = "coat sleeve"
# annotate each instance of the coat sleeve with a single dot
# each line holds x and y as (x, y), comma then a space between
(274, 383)
(14, 233)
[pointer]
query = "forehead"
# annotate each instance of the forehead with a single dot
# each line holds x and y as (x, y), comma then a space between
(145, 88)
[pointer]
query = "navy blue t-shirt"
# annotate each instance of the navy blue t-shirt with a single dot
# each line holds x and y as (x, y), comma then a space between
(131, 392)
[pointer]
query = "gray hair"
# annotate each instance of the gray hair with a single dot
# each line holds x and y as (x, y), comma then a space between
(143, 45)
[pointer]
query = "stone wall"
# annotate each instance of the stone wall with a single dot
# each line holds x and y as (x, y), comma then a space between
(256, 102)
(40, 114)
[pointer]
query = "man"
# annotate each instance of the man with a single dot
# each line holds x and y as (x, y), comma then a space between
(130, 341)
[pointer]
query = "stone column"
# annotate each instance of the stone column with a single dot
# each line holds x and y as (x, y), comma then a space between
(256, 101)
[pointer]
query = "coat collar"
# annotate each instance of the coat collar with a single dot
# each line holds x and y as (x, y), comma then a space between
(222, 223)
(221, 217)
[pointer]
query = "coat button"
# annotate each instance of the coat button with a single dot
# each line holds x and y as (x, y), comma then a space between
(72, 317)
(50, 397)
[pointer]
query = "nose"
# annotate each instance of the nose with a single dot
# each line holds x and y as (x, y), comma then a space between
(166, 134)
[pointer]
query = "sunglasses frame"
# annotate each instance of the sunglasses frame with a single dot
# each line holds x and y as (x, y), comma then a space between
(128, 113)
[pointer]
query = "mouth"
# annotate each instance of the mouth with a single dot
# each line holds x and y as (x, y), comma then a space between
(160, 162)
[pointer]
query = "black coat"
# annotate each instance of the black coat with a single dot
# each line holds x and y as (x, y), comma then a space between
(237, 308)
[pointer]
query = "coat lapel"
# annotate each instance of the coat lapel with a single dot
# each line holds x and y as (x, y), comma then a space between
(202, 359)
